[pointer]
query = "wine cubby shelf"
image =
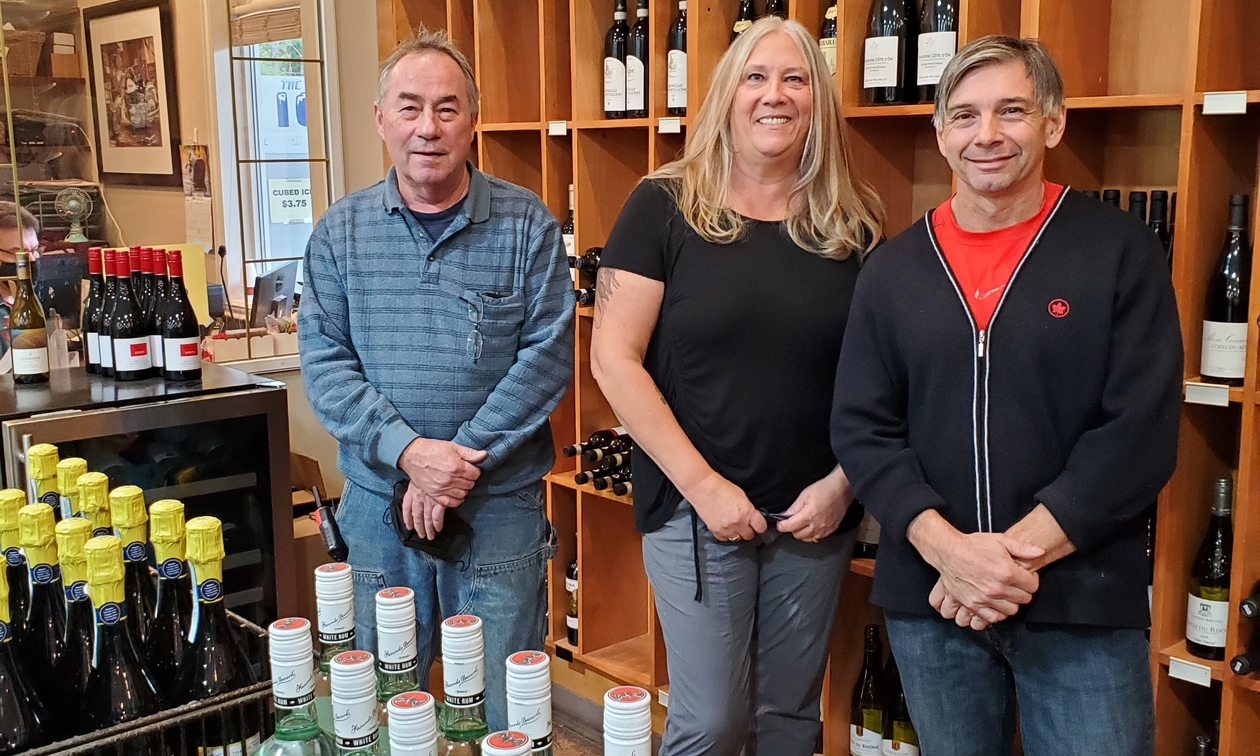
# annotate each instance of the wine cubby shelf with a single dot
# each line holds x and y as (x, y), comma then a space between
(1136, 74)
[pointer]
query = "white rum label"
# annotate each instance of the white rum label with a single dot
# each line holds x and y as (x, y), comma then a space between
(1224, 350)
(936, 50)
(880, 62)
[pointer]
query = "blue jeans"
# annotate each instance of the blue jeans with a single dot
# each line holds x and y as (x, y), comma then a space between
(502, 578)
(1077, 690)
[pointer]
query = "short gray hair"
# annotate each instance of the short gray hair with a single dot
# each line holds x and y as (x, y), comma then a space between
(9, 213)
(423, 41)
(994, 50)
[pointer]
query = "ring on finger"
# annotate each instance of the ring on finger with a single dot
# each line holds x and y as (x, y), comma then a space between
(733, 539)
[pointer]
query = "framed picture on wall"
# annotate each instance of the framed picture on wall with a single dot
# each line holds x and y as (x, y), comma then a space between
(131, 68)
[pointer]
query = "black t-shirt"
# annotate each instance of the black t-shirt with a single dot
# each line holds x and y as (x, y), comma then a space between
(744, 351)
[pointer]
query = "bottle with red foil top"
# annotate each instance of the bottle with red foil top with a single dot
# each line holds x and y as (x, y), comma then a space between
(107, 313)
(413, 725)
(181, 336)
(505, 743)
(627, 721)
(133, 265)
(355, 725)
(92, 311)
(144, 294)
(132, 360)
(464, 681)
(156, 308)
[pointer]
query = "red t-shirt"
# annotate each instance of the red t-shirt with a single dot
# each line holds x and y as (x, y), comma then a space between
(984, 262)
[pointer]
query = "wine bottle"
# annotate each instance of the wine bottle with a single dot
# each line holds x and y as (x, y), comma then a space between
(46, 624)
(334, 608)
(132, 359)
(91, 319)
(598, 439)
(172, 614)
(1092, 194)
(528, 685)
(676, 64)
(614, 461)
(585, 297)
(1250, 606)
(94, 501)
(747, 14)
(589, 260)
(1150, 558)
(181, 336)
(293, 690)
(777, 8)
(1159, 220)
(899, 737)
(144, 294)
(1111, 197)
(625, 486)
(1207, 612)
(23, 720)
(133, 264)
(867, 538)
(567, 230)
(506, 743)
(11, 501)
(150, 308)
(356, 728)
(119, 688)
(70, 674)
(627, 721)
(413, 725)
(827, 36)
(887, 47)
(397, 668)
(215, 663)
(604, 482)
(571, 606)
(1249, 660)
(1224, 353)
(1137, 205)
(637, 63)
(617, 445)
(1172, 226)
(28, 332)
(126, 510)
(615, 49)
(41, 475)
(938, 42)
(68, 472)
(866, 723)
(1203, 746)
(110, 301)
(463, 679)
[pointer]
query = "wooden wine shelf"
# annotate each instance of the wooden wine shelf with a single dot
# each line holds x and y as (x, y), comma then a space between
(532, 126)
(616, 123)
(586, 311)
(1170, 100)
(1178, 651)
(629, 661)
(1253, 96)
(887, 111)
(1251, 683)
(566, 480)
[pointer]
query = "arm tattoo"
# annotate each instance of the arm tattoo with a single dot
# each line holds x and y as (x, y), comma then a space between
(605, 284)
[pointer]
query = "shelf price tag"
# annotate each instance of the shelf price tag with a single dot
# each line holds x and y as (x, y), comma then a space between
(1225, 103)
(662, 697)
(557, 128)
(1214, 394)
(669, 125)
(1190, 671)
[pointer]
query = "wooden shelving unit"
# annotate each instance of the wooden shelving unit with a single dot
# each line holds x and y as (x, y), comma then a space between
(1136, 74)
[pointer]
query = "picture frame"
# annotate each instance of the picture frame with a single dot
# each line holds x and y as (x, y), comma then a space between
(135, 105)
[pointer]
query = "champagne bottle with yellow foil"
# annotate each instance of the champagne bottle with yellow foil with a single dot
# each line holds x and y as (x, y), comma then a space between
(28, 332)
(126, 509)
(168, 637)
(23, 720)
(68, 472)
(94, 502)
(119, 688)
(72, 668)
(41, 475)
(46, 622)
(11, 501)
(215, 664)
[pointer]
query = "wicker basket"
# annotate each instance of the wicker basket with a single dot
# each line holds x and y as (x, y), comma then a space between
(23, 50)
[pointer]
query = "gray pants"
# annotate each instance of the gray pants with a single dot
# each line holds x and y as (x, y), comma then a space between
(746, 662)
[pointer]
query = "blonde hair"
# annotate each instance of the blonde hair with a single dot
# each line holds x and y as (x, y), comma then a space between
(830, 213)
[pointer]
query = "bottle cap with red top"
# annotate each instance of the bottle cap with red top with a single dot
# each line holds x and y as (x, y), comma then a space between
(136, 253)
(175, 263)
(94, 260)
(122, 262)
(146, 260)
(159, 262)
(111, 258)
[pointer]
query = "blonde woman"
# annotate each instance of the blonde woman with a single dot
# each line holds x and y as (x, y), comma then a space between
(722, 300)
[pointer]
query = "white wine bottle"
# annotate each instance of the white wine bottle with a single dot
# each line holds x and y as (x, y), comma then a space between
(1207, 612)
(28, 332)
(867, 713)
(1223, 357)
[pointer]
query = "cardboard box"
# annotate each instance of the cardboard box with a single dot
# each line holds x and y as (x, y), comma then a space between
(66, 67)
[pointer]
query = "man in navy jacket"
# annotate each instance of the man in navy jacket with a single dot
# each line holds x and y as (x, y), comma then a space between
(1007, 406)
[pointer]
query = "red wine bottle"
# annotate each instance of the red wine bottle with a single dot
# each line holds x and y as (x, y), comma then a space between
(1224, 347)
(637, 64)
(616, 44)
(1159, 220)
(676, 64)
(133, 265)
(181, 336)
(145, 293)
(92, 310)
(107, 313)
(598, 439)
(132, 360)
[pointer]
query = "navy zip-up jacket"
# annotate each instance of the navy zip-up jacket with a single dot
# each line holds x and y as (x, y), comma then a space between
(1070, 399)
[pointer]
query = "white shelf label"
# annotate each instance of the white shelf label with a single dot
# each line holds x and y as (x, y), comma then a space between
(1214, 394)
(557, 128)
(1190, 671)
(669, 125)
(662, 697)
(1224, 103)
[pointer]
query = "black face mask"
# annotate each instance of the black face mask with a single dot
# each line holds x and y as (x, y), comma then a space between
(8, 269)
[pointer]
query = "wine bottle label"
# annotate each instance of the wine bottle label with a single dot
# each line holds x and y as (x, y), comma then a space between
(102, 532)
(569, 246)
(1224, 352)
(636, 97)
(741, 26)
(864, 741)
(676, 79)
(134, 552)
(897, 748)
(157, 350)
(1205, 621)
(94, 348)
(355, 724)
(464, 682)
(293, 685)
(76, 591)
(936, 50)
(336, 621)
(171, 569)
(110, 613)
(534, 720)
(107, 351)
(831, 13)
(396, 649)
(614, 85)
(29, 360)
(828, 47)
(132, 354)
(868, 530)
(880, 62)
(209, 591)
(182, 354)
(43, 574)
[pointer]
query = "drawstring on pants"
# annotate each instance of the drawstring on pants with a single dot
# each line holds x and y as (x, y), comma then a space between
(695, 553)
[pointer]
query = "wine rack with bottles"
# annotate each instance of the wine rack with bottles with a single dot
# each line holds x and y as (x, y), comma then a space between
(1142, 79)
